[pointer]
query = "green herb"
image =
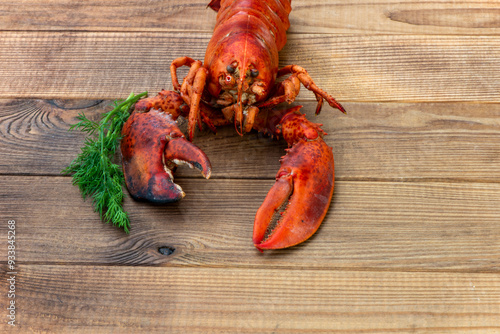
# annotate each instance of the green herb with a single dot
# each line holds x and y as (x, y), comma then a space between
(94, 171)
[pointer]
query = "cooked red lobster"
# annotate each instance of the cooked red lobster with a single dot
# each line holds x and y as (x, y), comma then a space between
(236, 83)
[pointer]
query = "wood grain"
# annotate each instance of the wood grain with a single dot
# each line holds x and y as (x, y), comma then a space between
(354, 68)
(480, 17)
(409, 245)
(386, 141)
(82, 299)
(371, 225)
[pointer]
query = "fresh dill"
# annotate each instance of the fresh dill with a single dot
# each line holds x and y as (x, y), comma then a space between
(94, 171)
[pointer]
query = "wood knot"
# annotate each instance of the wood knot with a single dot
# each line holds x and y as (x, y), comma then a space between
(166, 250)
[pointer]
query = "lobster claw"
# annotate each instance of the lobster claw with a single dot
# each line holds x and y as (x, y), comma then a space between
(297, 203)
(152, 146)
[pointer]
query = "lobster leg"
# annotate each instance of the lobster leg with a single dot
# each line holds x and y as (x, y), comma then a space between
(290, 88)
(297, 203)
(152, 146)
(191, 89)
(182, 61)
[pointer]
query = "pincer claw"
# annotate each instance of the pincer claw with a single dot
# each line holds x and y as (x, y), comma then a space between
(152, 146)
(297, 203)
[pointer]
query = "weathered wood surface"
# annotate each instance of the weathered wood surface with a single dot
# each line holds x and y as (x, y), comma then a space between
(410, 245)
(406, 226)
(478, 17)
(383, 141)
(236, 300)
(361, 68)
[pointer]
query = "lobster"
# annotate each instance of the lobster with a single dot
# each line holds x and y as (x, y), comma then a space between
(237, 83)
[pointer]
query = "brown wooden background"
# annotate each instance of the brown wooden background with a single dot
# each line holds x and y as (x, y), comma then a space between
(411, 243)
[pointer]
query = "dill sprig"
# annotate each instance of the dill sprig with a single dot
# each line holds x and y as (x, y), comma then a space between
(94, 171)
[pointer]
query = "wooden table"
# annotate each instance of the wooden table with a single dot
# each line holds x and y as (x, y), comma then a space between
(411, 243)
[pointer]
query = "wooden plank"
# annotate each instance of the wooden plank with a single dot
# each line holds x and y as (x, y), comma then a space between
(361, 68)
(395, 17)
(383, 141)
(319, 16)
(429, 226)
(82, 299)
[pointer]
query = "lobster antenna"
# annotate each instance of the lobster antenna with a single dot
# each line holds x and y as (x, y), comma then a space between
(239, 106)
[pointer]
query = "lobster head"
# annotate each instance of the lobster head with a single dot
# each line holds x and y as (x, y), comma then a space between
(242, 71)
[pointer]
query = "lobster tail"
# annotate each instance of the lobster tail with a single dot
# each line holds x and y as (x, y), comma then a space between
(249, 33)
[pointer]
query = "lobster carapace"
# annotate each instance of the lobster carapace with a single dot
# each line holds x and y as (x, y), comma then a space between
(236, 83)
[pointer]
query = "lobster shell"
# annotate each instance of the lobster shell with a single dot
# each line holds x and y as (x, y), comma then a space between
(254, 26)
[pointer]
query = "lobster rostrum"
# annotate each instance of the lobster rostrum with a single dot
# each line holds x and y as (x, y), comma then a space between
(236, 84)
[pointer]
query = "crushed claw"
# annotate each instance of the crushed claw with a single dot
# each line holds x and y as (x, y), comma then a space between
(152, 147)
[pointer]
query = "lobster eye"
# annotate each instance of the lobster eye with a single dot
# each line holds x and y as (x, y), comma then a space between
(254, 72)
(230, 68)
